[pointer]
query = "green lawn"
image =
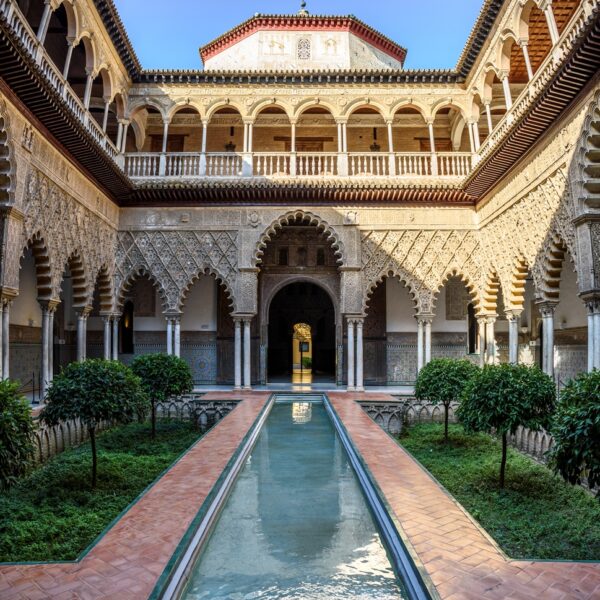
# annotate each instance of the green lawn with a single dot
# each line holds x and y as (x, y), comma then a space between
(536, 516)
(53, 514)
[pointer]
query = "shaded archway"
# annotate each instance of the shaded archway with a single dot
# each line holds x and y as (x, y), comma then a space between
(301, 302)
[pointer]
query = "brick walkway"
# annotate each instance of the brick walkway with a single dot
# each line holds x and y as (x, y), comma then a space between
(462, 561)
(129, 559)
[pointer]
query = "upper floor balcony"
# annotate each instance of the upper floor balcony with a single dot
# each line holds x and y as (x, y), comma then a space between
(203, 137)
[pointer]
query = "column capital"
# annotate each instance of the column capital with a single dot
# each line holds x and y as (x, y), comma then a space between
(341, 120)
(523, 42)
(49, 305)
(513, 314)
(424, 318)
(547, 307)
(83, 312)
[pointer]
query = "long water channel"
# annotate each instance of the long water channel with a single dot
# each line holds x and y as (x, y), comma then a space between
(296, 524)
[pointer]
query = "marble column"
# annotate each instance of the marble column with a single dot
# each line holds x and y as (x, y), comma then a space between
(513, 336)
(523, 45)
(177, 337)
(1, 340)
(67, 66)
(549, 14)
(123, 147)
(596, 336)
(105, 116)
(107, 320)
(488, 116)
(44, 22)
(420, 338)
(247, 363)
(360, 386)
(45, 347)
(5, 339)
(51, 344)
(481, 339)
(115, 337)
(490, 338)
(82, 316)
(237, 354)
(169, 335)
(428, 341)
(87, 95)
(350, 355)
(591, 334)
(547, 312)
(506, 89)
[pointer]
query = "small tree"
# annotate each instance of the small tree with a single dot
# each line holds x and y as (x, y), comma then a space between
(442, 381)
(163, 376)
(94, 391)
(16, 433)
(576, 430)
(500, 398)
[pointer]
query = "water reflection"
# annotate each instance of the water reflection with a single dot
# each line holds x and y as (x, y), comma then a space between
(296, 524)
(301, 412)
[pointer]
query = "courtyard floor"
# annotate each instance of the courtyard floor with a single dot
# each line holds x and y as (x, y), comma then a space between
(462, 561)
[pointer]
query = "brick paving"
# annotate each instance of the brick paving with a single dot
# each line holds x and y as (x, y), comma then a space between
(461, 559)
(127, 562)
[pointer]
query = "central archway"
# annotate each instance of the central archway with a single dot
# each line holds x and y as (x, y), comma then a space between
(308, 303)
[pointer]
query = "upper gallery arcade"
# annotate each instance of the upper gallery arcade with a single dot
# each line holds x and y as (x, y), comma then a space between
(429, 212)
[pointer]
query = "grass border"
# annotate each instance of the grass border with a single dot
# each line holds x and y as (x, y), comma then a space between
(117, 518)
(472, 518)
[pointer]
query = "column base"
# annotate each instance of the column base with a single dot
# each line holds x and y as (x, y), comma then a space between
(247, 387)
(237, 388)
(350, 388)
(359, 389)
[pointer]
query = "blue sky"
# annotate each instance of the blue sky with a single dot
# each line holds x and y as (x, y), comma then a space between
(167, 34)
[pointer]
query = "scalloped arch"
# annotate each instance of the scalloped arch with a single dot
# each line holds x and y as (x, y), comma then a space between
(208, 272)
(404, 277)
(43, 266)
(469, 284)
(295, 215)
(135, 273)
(7, 163)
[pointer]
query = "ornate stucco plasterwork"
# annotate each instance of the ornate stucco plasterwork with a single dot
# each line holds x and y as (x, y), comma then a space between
(67, 229)
(174, 260)
(423, 260)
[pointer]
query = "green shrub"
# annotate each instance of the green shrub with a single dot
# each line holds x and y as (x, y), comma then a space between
(94, 391)
(501, 398)
(576, 430)
(442, 381)
(163, 376)
(306, 362)
(16, 433)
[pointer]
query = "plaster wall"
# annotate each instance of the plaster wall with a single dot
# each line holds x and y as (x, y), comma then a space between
(278, 50)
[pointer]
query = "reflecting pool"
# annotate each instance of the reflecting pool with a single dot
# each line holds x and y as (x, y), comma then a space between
(296, 525)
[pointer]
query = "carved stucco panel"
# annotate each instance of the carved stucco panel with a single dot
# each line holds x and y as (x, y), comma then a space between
(175, 259)
(67, 228)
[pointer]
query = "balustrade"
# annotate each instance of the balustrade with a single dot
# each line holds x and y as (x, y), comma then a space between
(22, 31)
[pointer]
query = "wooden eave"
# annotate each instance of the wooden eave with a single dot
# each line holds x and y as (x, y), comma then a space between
(236, 192)
(29, 84)
(577, 70)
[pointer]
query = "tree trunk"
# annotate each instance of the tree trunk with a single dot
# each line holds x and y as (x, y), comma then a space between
(92, 432)
(446, 423)
(153, 420)
(503, 463)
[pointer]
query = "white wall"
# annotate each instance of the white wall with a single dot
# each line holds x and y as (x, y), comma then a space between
(25, 309)
(400, 308)
(200, 309)
(277, 50)
(570, 311)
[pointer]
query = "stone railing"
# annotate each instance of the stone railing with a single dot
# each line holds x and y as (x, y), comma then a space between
(22, 31)
(541, 78)
(453, 166)
(50, 441)
(393, 417)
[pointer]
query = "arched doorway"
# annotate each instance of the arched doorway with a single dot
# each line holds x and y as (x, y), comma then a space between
(307, 303)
